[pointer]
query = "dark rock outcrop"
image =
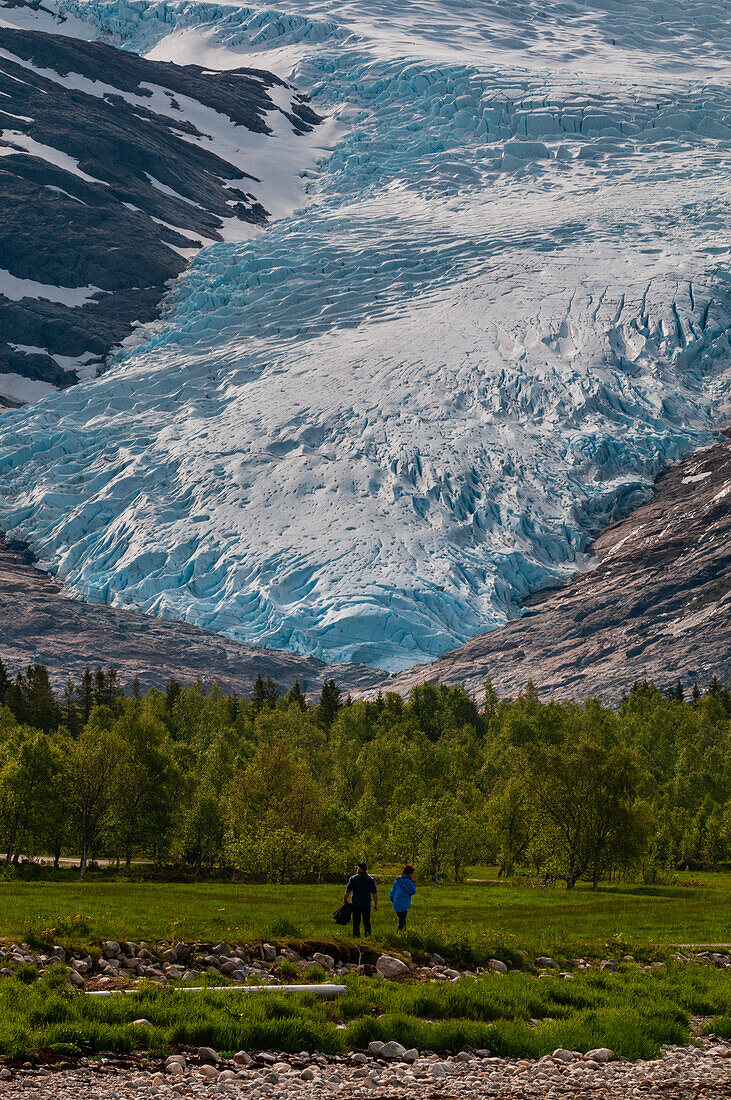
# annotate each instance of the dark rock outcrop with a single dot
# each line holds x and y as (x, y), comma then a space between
(106, 184)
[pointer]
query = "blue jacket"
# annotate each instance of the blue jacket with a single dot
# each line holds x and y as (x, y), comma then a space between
(401, 894)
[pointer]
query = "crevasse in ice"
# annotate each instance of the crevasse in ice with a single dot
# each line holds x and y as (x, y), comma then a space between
(374, 429)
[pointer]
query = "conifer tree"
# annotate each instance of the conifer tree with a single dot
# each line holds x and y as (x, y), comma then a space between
(329, 704)
(172, 694)
(296, 695)
(266, 693)
(71, 717)
(41, 709)
(232, 706)
(4, 683)
(86, 694)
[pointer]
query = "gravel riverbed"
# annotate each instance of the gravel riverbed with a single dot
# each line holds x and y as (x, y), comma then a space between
(701, 1073)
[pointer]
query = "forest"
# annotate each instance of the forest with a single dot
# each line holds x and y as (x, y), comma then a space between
(278, 788)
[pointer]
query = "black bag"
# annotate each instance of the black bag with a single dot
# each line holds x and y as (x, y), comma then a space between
(343, 914)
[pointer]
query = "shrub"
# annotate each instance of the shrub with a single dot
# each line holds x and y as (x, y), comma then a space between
(282, 928)
(720, 1027)
(316, 974)
(26, 973)
(289, 969)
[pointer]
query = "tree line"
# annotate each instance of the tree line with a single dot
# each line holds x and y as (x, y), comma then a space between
(276, 788)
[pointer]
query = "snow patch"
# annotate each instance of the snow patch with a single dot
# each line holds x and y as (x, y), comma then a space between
(13, 142)
(16, 289)
(19, 390)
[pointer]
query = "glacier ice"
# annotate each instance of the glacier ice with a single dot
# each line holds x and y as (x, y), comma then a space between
(372, 430)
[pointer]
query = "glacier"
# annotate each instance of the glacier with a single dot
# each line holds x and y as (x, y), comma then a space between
(501, 310)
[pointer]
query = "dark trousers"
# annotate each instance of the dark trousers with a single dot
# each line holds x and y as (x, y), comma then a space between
(402, 920)
(361, 912)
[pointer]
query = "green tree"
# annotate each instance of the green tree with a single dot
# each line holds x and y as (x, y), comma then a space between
(147, 779)
(585, 798)
(93, 770)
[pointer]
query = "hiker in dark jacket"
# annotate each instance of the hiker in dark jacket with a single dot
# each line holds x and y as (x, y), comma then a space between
(362, 887)
(401, 894)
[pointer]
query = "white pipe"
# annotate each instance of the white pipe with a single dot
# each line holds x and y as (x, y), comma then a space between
(324, 990)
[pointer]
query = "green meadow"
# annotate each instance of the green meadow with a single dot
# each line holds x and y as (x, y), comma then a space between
(517, 1015)
(470, 922)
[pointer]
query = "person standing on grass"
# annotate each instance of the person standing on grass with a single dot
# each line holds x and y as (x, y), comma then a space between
(363, 888)
(401, 894)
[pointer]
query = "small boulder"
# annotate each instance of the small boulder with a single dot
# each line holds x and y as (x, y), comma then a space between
(111, 949)
(75, 979)
(497, 966)
(307, 1074)
(411, 1056)
(268, 952)
(208, 1071)
(327, 962)
(393, 1051)
(601, 1054)
(376, 1047)
(547, 963)
(221, 948)
(175, 1069)
(209, 1056)
(389, 967)
(243, 1058)
(608, 964)
(142, 1022)
(561, 1055)
(441, 1069)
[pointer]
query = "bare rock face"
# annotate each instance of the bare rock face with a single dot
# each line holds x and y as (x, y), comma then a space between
(106, 186)
(656, 607)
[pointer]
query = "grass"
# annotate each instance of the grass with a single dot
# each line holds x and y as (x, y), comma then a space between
(470, 923)
(630, 1011)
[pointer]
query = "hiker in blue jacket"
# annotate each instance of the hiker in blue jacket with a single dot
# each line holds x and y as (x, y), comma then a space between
(401, 894)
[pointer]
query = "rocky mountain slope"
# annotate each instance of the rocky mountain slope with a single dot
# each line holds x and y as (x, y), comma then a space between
(656, 607)
(114, 171)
